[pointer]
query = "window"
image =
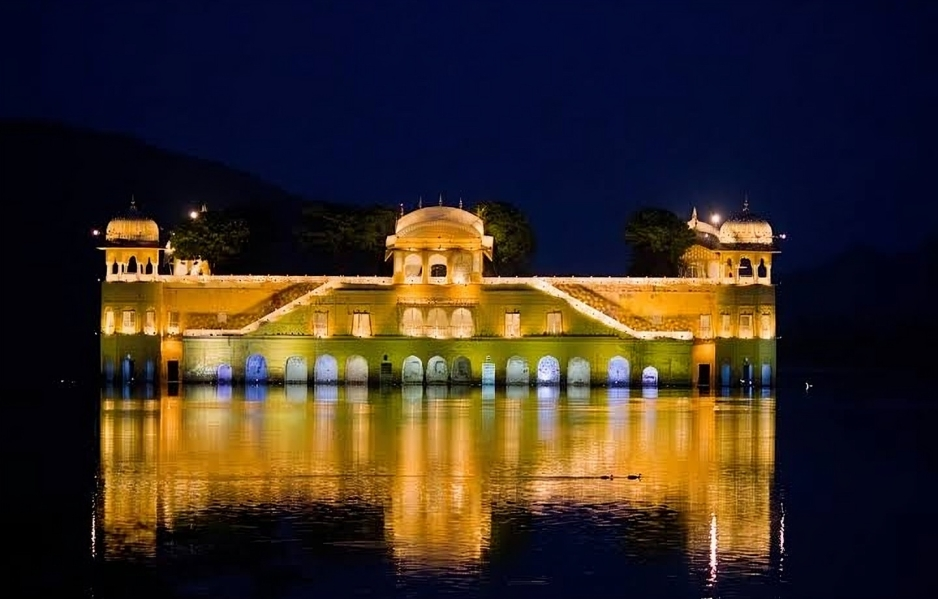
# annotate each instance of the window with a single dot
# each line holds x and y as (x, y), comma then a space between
(361, 324)
(438, 271)
(512, 324)
(765, 326)
(555, 323)
(129, 322)
(109, 322)
(704, 331)
(437, 323)
(462, 323)
(745, 326)
(149, 326)
(321, 324)
(725, 325)
(172, 323)
(222, 317)
(412, 322)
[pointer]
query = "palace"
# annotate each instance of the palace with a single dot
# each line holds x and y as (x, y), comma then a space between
(438, 320)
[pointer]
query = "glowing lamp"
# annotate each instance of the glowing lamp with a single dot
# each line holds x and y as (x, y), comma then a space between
(95, 232)
(715, 219)
(193, 214)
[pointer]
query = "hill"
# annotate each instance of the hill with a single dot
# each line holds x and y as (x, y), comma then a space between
(861, 308)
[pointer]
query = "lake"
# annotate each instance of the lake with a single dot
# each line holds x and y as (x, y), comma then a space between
(290, 492)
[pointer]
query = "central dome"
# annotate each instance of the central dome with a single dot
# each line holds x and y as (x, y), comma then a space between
(436, 220)
(133, 229)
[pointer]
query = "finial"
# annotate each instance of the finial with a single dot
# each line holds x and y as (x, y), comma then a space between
(693, 215)
(460, 203)
(746, 203)
(133, 202)
(420, 202)
(441, 200)
(204, 207)
(402, 208)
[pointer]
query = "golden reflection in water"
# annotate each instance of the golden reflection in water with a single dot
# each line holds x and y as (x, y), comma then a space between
(439, 464)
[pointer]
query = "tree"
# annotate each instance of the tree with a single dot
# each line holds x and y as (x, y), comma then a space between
(354, 237)
(213, 235)
(514, 238)
(658, 239)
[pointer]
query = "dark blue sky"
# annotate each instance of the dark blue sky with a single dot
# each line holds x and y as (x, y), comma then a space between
(579, 112)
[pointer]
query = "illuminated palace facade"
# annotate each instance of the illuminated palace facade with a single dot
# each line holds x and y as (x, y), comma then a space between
(438, 320)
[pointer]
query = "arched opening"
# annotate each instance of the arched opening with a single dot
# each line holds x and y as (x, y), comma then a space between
(548, 371)
(762, 271)
(412, 322)
(255, 369)
(437, 372)
(461, 373)
(326, 370)
(413, 268)
(148, 269)
(296, 370)
(619, 373)
(461, 325)
(462, 267)
(516, 372)
(356, 370)
(115, 268)
(438, 271)
(766, 375)
(132, 265)
(437, 323)
(578, 372)
(223, 374)
(726, 374)
(149, 370)
(650, 377)
(747, 374)
(729, 268)
(745, 267)
(438, 268)
(412, 371)
(127, 369)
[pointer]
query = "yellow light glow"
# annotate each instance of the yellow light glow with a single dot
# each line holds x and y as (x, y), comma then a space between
(194, 215)
(715, 219)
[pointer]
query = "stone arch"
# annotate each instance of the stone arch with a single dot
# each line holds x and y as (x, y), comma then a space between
(132, 265)
(548, 371)
(619, 372)
(461, 372)
(223, 374)
(413, 268)
(762, 271)
(745, 267)
(326, 370)
(255, 369)
(650, 376)
(461, 323)
(439, 267)
(296, 370)
(437, 372)
(516, 371)
(412, 322)
(412, 371)
(148, 269)
(437, 323)
(356, 370)
(115, 268)
(578, 372)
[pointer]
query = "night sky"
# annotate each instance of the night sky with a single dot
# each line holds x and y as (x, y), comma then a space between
(824, 113)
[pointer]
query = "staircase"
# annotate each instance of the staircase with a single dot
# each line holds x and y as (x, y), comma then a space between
(598, 307)
(286, 301)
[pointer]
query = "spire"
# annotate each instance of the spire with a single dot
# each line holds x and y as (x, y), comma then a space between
(133, 203)
(402, 208)
(420, 202)
(746, 203)
(441, 200)
(204, 207)
(460, 203)
(693, 215)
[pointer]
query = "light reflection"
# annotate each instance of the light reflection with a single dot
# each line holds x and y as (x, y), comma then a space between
(439, 470)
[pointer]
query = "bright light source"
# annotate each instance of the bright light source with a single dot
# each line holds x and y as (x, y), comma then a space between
(194, 214)
(95, 232)
(782, 236)
(715, 219)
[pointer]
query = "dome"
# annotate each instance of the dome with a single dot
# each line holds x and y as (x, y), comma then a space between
(746, 228)
(132, 228)
(440, 227)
